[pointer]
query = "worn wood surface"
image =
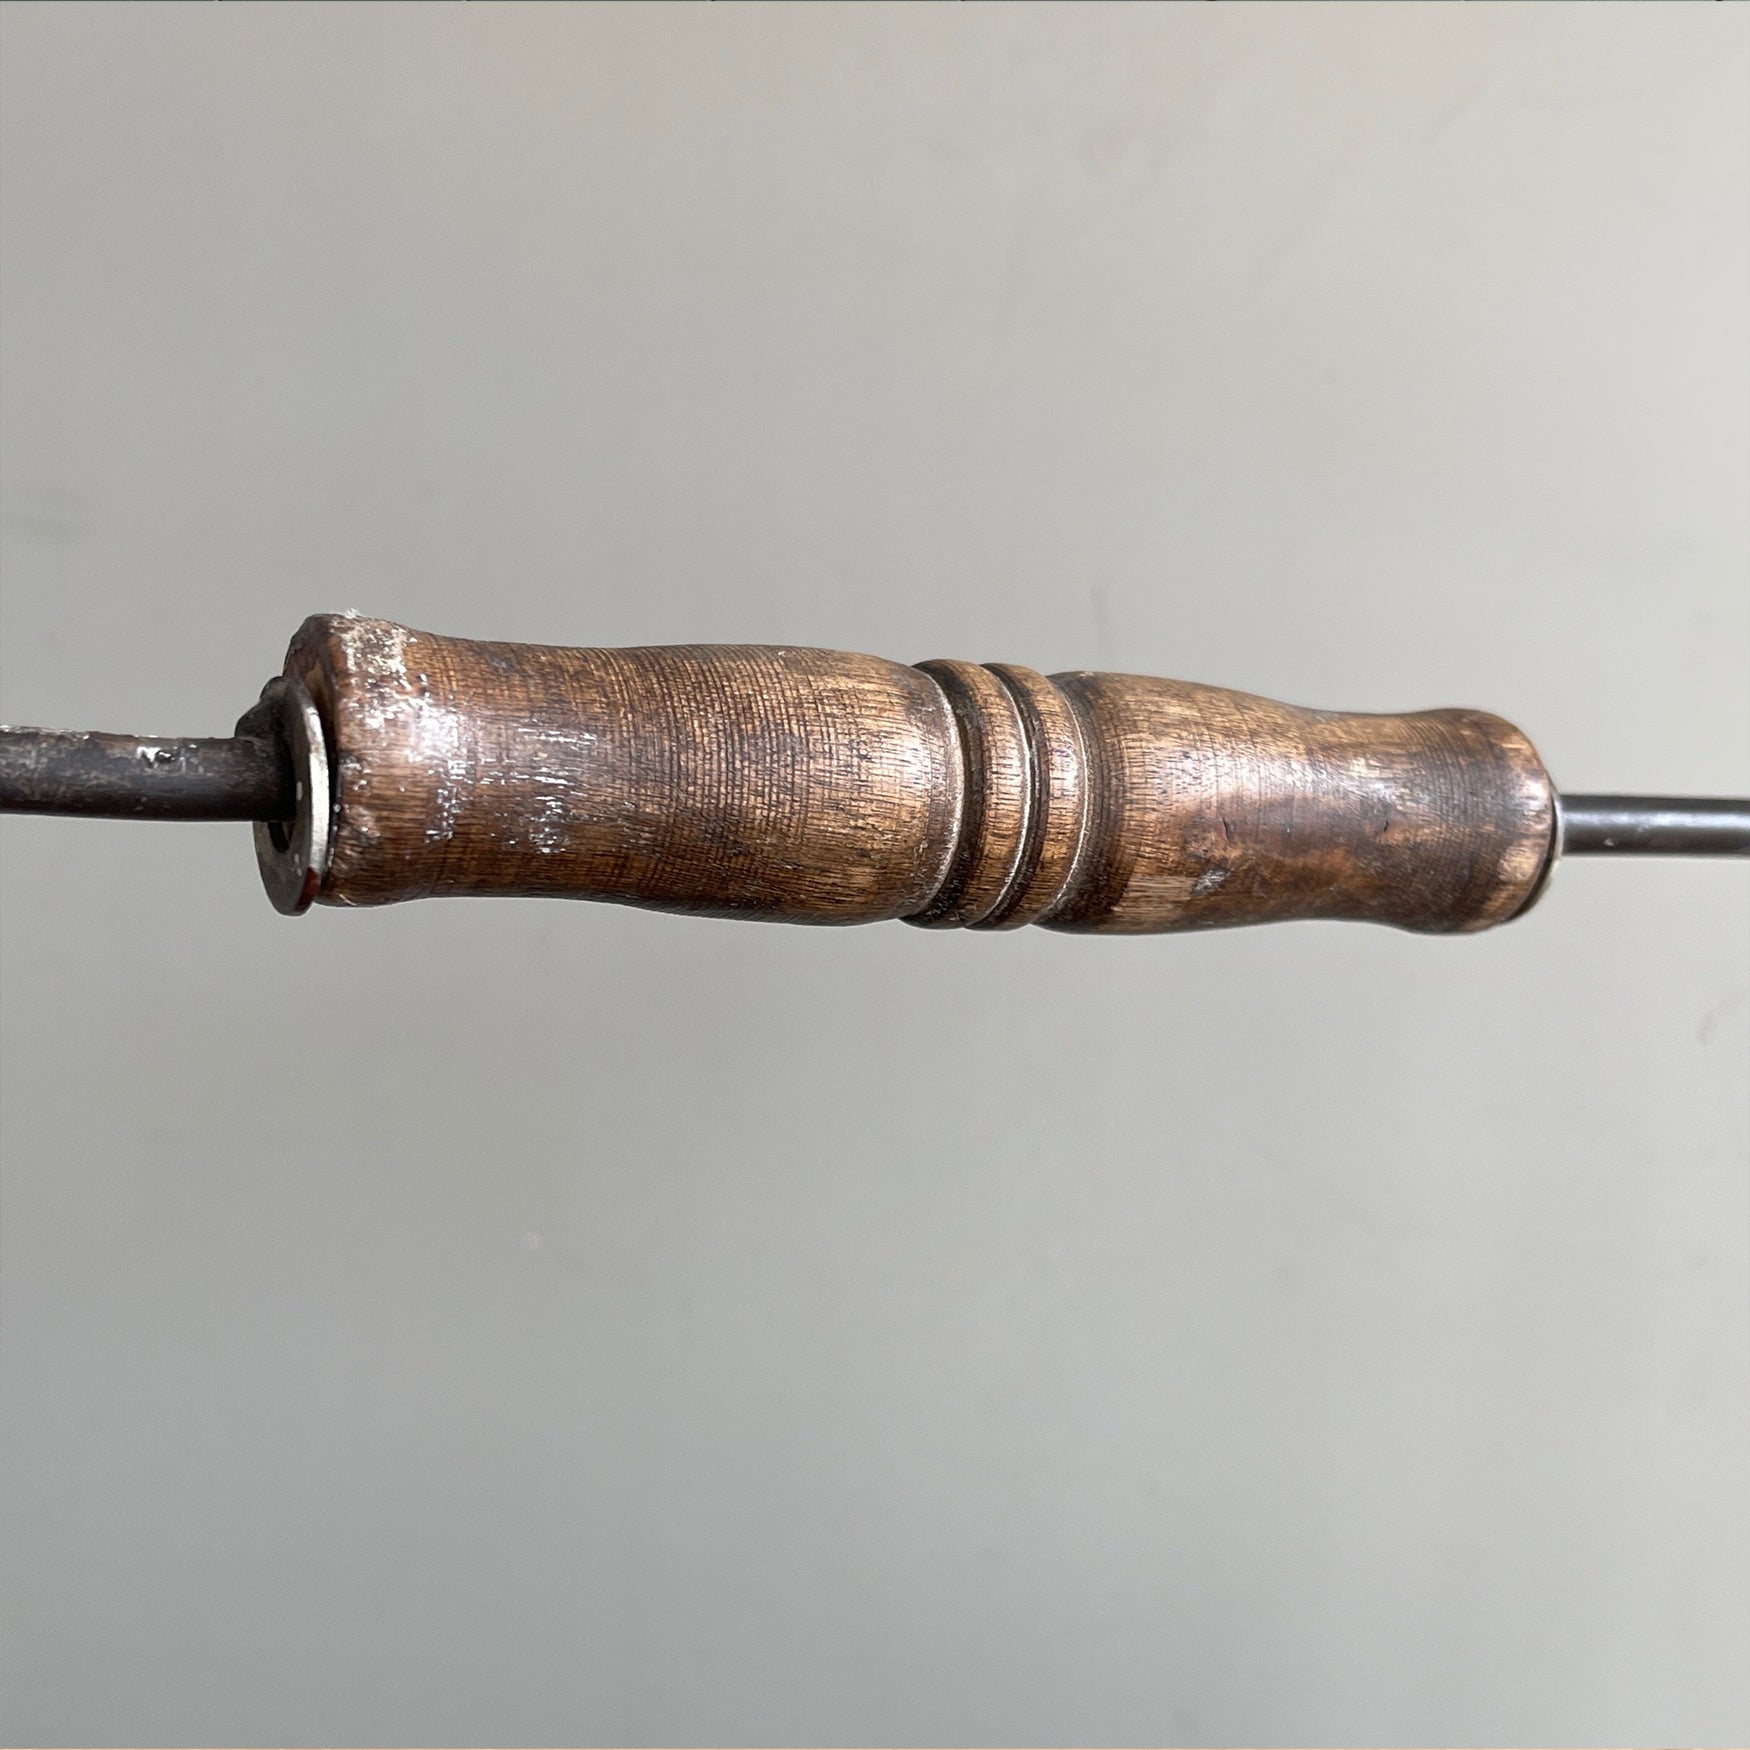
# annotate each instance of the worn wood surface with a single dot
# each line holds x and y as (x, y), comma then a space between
(815, 786)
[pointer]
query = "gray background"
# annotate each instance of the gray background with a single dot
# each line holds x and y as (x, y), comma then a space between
(525, 1323)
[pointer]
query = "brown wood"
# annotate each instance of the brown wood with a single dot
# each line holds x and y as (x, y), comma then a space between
(813, 786)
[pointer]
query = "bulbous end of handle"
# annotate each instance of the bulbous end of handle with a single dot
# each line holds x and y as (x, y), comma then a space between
(747, 781)
(1211, 808)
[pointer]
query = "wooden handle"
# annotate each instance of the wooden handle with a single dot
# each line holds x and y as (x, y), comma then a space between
(812, 786)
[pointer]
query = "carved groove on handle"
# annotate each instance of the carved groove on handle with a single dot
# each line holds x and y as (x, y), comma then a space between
(992, 836)
(1024, 826)
(1057, 822)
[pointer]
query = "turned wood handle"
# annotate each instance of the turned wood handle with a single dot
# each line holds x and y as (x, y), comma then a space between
(813, 786)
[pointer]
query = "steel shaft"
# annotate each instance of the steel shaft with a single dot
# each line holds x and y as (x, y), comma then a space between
(65, 771)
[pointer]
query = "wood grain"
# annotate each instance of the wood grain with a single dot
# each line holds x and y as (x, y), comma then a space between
(815, 786)
(1214, 808)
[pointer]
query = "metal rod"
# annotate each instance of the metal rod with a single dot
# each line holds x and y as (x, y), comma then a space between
(66, 771)
(1671, 826)
(248, 777)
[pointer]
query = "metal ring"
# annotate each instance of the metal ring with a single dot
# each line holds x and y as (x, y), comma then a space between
(292, 855)
(1547, 873)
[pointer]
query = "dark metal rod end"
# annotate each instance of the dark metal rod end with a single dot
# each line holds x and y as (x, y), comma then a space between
(1670, 826)
(130, 777)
